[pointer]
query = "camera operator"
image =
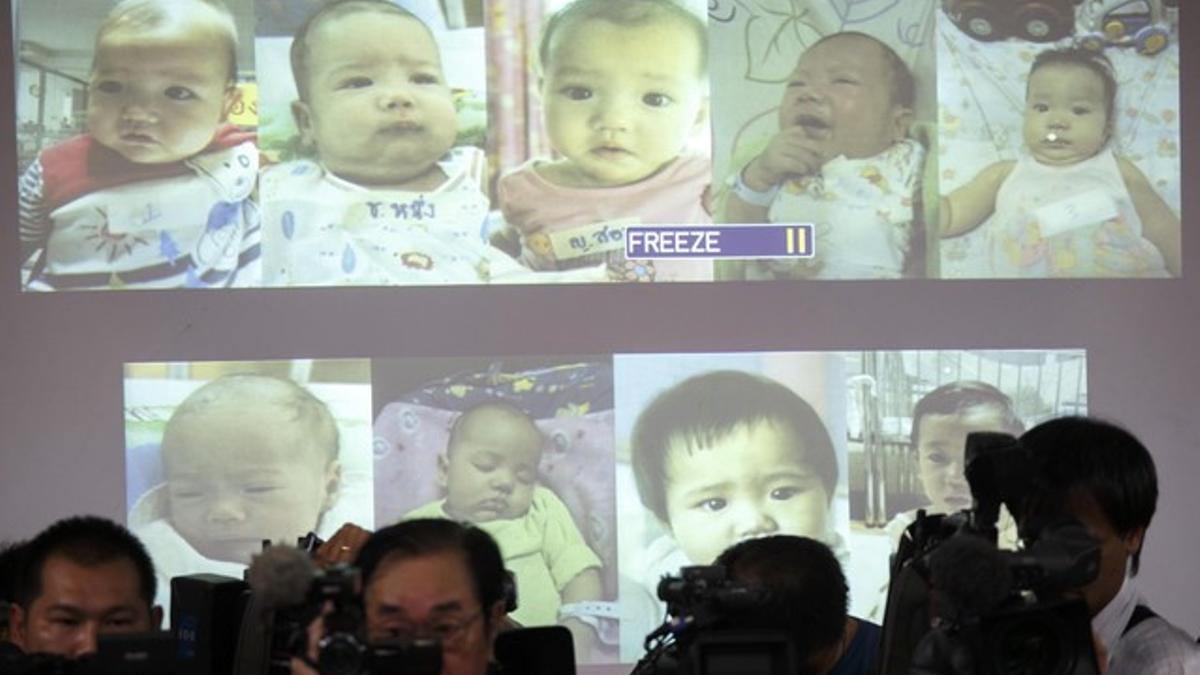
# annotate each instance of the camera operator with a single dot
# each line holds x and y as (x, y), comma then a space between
(808, 601)
(79, 578)
(431, 578)
(1104, 477)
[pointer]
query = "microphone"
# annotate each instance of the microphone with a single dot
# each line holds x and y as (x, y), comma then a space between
(969, 575)
(280, 577)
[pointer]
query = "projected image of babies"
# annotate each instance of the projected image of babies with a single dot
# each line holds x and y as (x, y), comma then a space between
(842, 158)
(719, 456)
(1069, 206)
(489, 472)
(248, 458)
(728, 455)
(221, 456)
(941, 421)
(389, 198)
(624, 91)
(157, 193)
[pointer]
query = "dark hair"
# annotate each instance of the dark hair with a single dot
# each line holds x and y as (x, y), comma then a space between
(808, 589)
(904, 86)
(503, 406)
(954, 398)
(88, 541)
(623, 13)
(333, 10)
(1094, 61)
(704, 408)
(1100, 459)
(11, 557)
(304, 407)
(149, 14)
(425, 536)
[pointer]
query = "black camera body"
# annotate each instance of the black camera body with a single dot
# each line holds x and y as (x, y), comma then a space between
(153, 653)
(700, 637)
(344, 649)
(998, 612)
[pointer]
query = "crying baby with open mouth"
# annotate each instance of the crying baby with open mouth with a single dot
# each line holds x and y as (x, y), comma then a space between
(842, 160)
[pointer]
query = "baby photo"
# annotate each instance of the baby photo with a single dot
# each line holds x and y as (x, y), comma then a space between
(1059, 161)
(714, 449)
(137, 161)
(604, 125)
(824, 115)
(908, 417)
(373, 132)
(522, 448)
(221, 457)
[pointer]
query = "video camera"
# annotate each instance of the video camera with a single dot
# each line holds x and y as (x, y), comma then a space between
(999, 612)
(700, 636)
(116, 654)
(298, 593)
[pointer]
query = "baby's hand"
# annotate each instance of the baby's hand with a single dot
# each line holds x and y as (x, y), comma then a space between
(790, 154)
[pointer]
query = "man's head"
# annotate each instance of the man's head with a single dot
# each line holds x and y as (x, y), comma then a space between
(489, 469)
(80, 578)
(727, 456)
(435, 578)
(624, 86)
(163, 78)
(852, 94)
(941, 421)
(1070, 101)
(247, 458)
(808, 594)
(373, 98)
(1101, 475)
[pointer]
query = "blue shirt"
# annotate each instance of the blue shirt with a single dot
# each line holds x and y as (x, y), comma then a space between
(860, 653)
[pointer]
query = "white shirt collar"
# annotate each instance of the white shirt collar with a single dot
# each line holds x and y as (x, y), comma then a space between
(1109, 623)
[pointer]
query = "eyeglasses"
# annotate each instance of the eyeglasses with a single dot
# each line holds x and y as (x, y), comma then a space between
(450, 631)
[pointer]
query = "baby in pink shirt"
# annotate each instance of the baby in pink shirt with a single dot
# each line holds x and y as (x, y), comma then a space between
(624, 87)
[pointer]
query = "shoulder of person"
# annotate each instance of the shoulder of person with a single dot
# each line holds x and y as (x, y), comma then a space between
(1155, 646)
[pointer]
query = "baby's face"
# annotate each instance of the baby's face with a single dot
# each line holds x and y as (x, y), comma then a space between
(159, 96)
(751, 483)
(622, 101)
(941, 451)
(379, 109)
(1066, 115)
(841, 95)
(490, 468)
(239, 473)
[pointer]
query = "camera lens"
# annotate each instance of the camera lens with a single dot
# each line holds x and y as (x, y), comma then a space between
(340, 654)
(1034, 646)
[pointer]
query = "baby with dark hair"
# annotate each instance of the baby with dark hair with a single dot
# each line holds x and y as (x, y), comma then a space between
(842, 160)
(941, 421)
(722, 457)
(729, 455)
(389, 198)
(624, 89)
(1069, 206)
(158, 193)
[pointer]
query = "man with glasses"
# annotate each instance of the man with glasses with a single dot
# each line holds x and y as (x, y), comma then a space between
(434, 578)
